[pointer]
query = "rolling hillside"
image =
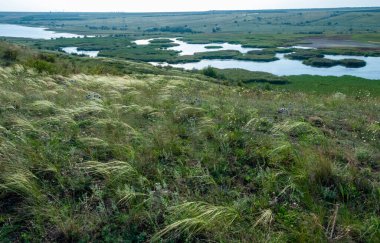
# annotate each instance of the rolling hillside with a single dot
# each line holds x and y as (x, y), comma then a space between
(136, 153)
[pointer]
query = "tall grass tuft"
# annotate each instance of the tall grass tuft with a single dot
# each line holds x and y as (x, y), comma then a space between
(196, 217)
(128, 194)
(114, 171)
(21, 182)
(265, 219)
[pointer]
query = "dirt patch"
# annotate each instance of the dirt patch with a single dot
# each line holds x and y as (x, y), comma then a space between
(331, 43)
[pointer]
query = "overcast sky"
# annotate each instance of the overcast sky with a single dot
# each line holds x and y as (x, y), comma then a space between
(172, 5)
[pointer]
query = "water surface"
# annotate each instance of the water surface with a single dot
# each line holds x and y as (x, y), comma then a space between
(19, 31)
(286, 67)
(74, 50)
(185, 48)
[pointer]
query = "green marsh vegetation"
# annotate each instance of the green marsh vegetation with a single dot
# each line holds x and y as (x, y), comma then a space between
(139, 153)
(156, 51)
(258, 56)
(54, 62)
(113, 47)
(316, 58)
(213, 47)
(123, 48)
(262, 29)
(325, 62)
(348, 85)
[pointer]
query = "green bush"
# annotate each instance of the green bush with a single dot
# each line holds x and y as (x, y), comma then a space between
(11, 54)
(41, 65)
(210, 72)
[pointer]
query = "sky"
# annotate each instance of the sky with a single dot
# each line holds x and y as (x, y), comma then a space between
(172, 5)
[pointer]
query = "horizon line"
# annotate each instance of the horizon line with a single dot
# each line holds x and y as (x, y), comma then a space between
(190, 11)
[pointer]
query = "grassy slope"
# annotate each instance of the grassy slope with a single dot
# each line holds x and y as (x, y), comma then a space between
(348, 85)
(134, 157)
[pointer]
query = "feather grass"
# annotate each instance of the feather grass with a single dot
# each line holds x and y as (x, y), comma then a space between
(197, 217)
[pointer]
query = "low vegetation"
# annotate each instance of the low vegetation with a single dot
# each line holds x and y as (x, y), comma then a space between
(113, 149)
(352, 63)
(64, 64)
(257, 56)
(316, 58)
(174, 29)
(123, 47)
(242, 77)
(213, 47)
(304, 55)
(368, 52)
(138, 153)
(156, 51)
(325, 62)
(327, 85)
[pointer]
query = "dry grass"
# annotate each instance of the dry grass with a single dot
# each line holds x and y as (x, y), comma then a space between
(155, 157)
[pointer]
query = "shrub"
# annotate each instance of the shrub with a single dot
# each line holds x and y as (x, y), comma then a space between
(46, 57)
(10, 54)
(210, 72)
(41, 65)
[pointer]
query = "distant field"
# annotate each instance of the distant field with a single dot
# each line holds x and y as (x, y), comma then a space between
(332, 42)
(343, 21)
